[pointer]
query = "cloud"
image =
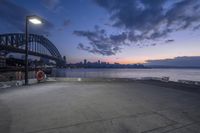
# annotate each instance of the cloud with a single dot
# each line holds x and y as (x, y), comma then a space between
(14, 16)
(145, 21)
(101, 43)
(66, 22)
(153, 44)
(169, 41)
(185, 61)
(196, 27)
(53, 5)
(153, 16)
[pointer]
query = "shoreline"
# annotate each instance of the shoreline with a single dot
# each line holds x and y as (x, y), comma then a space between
(148, 80)
(168, 84)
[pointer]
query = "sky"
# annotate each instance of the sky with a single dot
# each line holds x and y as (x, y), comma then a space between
(123, 31)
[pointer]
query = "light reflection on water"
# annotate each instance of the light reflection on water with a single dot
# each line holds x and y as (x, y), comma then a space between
(174, 74)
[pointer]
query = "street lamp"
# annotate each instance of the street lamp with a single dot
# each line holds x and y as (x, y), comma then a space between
(34, 20)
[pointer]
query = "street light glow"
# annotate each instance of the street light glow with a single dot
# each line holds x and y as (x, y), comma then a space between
(35, 20)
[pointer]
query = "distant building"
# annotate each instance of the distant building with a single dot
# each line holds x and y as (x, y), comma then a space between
(101, 64)
(64, 58)
(85, 61)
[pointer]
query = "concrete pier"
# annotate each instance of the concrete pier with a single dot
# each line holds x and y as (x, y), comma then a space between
(99, 107)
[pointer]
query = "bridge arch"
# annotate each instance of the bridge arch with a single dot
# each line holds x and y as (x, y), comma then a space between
(15, 42)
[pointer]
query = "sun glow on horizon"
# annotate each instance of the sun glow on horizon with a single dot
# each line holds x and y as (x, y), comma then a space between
(143, 60)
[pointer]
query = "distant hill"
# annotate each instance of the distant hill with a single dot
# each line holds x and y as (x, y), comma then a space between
(184, 61)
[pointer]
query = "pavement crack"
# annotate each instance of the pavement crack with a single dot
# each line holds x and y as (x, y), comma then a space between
(94, 121)
(183, 126)
(148, 131)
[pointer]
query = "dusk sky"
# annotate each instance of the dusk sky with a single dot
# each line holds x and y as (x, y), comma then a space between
(124, 31)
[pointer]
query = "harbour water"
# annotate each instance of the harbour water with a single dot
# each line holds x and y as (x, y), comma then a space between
(173, 74)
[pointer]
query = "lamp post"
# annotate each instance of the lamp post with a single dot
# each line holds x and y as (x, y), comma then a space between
(34, 20)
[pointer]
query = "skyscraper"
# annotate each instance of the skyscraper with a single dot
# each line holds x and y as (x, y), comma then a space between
(85, 61)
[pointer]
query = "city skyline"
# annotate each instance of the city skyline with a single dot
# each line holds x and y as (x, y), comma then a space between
(127, 32)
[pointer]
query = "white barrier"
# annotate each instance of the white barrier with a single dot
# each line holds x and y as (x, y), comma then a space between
(164, 79)
(189, 82)
(16, 83)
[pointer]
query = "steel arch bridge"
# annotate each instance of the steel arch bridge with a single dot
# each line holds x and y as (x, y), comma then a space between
(37, 45)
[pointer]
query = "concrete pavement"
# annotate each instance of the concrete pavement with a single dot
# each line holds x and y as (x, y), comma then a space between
(98, 107)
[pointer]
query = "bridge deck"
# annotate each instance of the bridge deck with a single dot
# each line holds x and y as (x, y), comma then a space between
(98, 107)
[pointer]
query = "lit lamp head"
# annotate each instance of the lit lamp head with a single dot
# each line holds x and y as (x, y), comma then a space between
(35, 20)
